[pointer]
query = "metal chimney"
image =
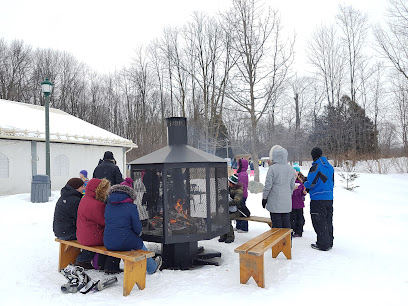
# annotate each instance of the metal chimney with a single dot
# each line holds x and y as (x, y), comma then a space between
(176, 131)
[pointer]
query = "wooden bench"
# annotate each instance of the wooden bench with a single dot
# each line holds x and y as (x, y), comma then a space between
(256, 219)
(135, 261)
(251, 253)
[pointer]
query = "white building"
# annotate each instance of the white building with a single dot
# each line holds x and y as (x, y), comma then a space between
(74, 145)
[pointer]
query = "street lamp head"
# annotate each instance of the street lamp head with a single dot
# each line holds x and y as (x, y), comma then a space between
(46, 87)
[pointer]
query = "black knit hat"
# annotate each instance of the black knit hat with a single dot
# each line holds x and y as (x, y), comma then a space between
(75, 182)
(108, 155)
(316, 153)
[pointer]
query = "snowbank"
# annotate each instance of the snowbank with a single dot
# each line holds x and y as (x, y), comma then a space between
(367, 264)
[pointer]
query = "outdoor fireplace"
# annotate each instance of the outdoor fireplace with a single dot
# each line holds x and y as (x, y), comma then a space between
(185, 193)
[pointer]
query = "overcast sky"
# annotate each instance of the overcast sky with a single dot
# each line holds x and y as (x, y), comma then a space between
(104, 34)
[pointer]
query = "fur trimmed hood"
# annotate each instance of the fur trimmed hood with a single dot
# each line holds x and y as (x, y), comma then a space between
(123, 189)
(97, 188)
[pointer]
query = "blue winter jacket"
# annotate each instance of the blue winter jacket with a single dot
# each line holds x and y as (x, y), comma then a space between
(320, 180)
(122, 224)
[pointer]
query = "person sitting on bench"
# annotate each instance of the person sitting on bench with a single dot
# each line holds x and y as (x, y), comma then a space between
(65, 218)
(123, 227)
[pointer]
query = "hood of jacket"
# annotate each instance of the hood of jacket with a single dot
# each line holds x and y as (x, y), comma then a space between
(97, 189)
(280, 156)
(271, 152)
(119, 193)
(323, 162)
(242, 165)
(68, 190)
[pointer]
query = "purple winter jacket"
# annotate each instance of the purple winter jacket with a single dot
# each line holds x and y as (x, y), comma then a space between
(297, 196)
(243, 175)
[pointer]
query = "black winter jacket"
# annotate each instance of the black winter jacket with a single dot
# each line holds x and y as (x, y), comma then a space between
(107, 169)
(65, 214)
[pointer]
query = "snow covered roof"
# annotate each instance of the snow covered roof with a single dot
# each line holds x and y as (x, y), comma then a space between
(27, 122)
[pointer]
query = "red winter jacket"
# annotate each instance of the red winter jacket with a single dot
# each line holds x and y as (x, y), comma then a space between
(91, 213)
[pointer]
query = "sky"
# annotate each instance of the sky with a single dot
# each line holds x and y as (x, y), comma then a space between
(105, 34)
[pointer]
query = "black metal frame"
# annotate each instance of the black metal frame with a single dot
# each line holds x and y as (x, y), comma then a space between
(166, 238)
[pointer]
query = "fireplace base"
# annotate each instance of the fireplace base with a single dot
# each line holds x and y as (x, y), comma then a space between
(183, 256)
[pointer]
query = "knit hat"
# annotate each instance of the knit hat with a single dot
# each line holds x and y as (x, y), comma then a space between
(128, 182)
(316, 153)
(75, 182)
(84, 173)
(108, 155)
(296, 167)
(233, 179)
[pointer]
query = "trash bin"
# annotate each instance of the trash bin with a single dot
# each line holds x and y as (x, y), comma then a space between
(40, 189)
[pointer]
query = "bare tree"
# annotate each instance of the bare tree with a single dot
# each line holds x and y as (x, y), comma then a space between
(326, 54)
(354, 27)
(400, 102)
(263, 61)
(393, 41)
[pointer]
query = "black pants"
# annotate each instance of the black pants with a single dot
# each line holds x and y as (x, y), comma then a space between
(321, 212)
(297, 220)
(108, 263)
(280, 220)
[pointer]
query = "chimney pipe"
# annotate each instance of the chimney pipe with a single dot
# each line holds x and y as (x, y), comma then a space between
(176, 131)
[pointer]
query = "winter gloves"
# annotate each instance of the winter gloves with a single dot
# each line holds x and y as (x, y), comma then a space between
(264, 201)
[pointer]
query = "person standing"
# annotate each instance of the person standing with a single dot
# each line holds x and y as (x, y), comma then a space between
(296, 216)
(234, 165)
(279, 186)
(320, 184)
(242, 225)
(83, 175)
(108, 169)
(252, 167)
(235, 202)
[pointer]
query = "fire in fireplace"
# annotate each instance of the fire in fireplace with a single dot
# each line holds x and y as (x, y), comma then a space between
(185, 194)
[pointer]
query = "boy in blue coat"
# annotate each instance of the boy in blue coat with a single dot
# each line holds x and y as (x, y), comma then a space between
(320, 183)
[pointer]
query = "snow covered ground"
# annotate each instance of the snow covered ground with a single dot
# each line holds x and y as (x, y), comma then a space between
(366, 266)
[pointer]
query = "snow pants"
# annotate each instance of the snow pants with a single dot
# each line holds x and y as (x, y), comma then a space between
(242, 224)
(280, 220)
(297, 220)
(321, 212)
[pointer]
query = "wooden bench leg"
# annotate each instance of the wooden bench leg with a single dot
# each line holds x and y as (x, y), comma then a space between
(68, 254)
(134, 273)
(283, 246)
(251, 265)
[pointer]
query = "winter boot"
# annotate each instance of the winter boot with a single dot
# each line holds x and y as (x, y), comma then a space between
(87, 265)
(159, 261)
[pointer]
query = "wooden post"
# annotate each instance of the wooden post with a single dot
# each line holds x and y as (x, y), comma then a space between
(251, 265)
(134, 273)
(67, 255)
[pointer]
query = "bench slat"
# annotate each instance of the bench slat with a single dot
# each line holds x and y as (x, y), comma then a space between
(256, 219)
(269, 242)
(254, 241)
(134, 255)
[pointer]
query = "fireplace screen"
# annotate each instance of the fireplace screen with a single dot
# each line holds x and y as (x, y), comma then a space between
(182, 204)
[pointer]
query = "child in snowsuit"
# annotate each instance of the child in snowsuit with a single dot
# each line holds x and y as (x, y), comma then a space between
(235, 205)
(297, 218)
(242, 225)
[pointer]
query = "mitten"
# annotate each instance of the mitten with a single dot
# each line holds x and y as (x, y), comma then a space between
(264, 201)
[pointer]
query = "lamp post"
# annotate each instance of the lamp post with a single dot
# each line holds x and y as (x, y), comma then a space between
(47, 88)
